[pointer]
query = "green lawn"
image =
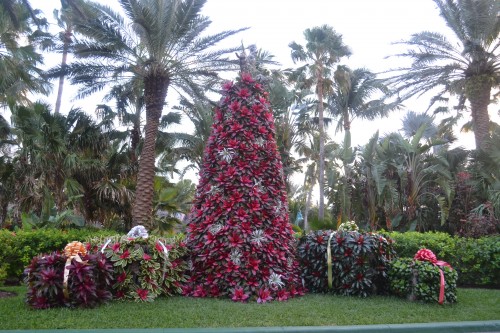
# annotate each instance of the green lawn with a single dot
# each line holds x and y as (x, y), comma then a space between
(309, 310)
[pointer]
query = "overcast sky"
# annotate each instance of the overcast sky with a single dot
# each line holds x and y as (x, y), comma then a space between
(369, 27)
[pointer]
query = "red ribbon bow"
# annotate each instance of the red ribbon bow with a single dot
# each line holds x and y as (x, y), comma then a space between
(428, 255)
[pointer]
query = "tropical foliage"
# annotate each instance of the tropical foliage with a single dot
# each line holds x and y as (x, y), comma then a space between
(158, 43)
(467, 67)
(324, 48)
(66, 172)
(20, 62)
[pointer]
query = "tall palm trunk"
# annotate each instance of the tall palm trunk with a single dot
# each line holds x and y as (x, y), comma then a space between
(306, 209)
(321, 162)
(135, 135)
(346, 158)
(478, 93)
(67, 40)
(155, 92)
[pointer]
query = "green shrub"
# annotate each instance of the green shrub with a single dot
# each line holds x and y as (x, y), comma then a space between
(420, 280)
(406, 244)
(359, 262)
(477, 261)
(18, 248)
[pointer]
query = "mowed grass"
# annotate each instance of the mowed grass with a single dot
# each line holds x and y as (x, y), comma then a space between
(309, 310)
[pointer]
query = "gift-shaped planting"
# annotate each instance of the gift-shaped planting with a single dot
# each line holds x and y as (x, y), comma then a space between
(424, 278)
(345, 262)
(73, 278)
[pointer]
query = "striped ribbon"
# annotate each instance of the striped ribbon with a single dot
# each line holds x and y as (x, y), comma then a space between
(66, 273)
(329, 260)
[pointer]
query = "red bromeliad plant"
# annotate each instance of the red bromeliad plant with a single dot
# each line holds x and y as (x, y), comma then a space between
(239, 236)
(88, 285)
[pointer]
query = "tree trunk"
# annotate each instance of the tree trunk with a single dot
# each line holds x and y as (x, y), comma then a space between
(155, 92)
(4, 204)
(67, 41)
(478, 93)
(346, 157)
(135, 135)
(321, 162)
(306, 210)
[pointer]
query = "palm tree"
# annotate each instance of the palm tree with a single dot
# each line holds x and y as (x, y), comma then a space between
(324, 47)
(469, 69)
(7, 178)
(20, 61)
(413, 121)
(71, 10)
(191, 146)
(58, 158)
(309, 150)
(129, 106)
(406, 174)
(158, 41)
(293, 123)
(350, 98)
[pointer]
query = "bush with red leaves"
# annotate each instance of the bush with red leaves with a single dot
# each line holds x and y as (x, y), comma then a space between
(89, 281)
(239, 235)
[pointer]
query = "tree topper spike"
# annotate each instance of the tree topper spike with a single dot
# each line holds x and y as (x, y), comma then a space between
(248, 61)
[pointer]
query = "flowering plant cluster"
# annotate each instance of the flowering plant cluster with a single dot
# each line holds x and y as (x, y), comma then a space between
(358, 262)
(144, 267)
(348, 226)
(88, 284)
(239, 236)
(420, 280)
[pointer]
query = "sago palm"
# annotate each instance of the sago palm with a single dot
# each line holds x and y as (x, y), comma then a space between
(160, 42)
(469, 68)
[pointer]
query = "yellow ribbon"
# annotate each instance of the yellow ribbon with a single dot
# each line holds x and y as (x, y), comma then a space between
(329, 261)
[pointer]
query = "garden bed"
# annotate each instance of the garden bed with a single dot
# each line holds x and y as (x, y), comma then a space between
(5, 294)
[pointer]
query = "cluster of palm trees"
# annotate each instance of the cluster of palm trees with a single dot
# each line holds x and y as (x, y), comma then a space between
(110, 167)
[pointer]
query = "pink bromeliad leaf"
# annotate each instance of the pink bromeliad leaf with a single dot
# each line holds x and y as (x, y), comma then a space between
(264, 295)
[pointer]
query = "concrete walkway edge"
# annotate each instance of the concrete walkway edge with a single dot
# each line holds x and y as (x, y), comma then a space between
(445, 327)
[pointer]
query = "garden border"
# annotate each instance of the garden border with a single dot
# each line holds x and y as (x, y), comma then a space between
(491, 326)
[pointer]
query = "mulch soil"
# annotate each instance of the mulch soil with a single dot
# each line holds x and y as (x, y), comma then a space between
(4, 294)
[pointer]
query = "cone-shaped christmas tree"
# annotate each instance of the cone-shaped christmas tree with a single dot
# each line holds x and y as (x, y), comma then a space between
(239, 235)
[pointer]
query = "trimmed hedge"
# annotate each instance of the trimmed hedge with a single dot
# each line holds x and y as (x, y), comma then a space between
(18, 248)
(476, 260)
